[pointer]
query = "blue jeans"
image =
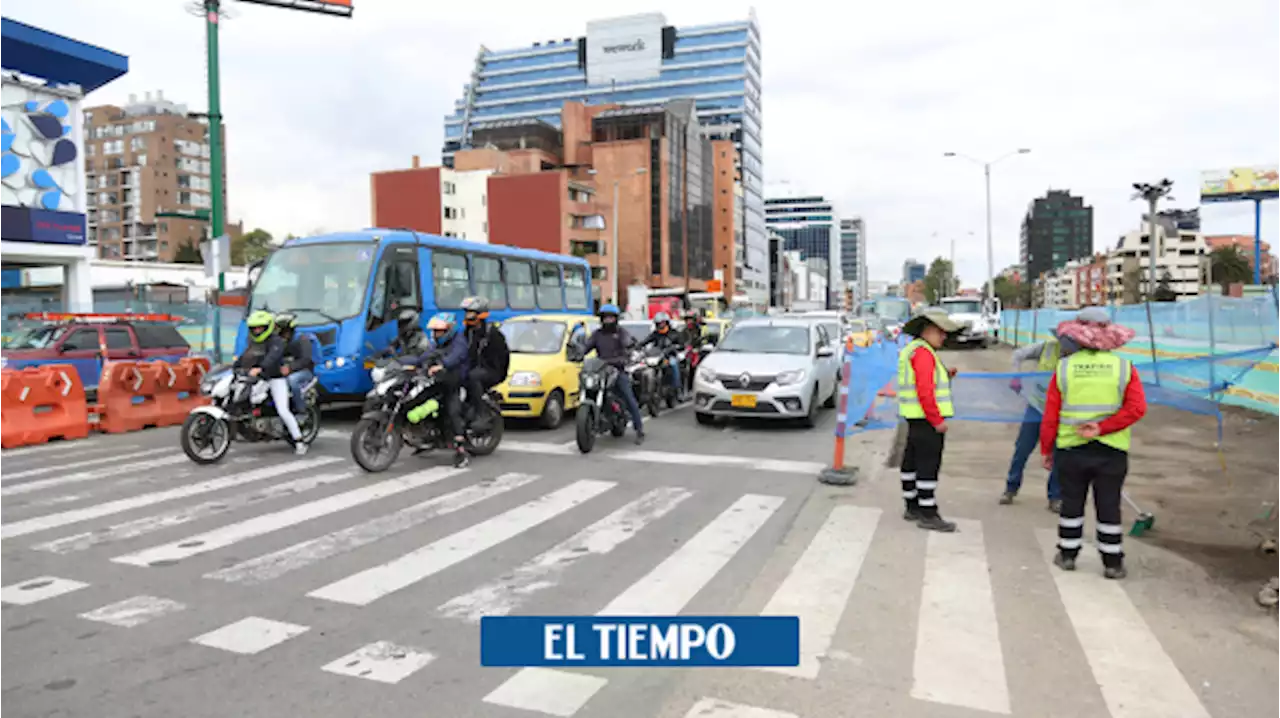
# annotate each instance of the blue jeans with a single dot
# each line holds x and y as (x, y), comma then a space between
(675, 374)
(1023, 447)
(628, 394)
(297, 380)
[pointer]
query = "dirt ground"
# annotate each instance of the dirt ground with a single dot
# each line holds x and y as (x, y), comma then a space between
(1212, 508)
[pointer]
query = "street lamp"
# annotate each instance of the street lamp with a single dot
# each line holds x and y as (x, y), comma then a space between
(613, 260)
(986, 170)
(1152, 193)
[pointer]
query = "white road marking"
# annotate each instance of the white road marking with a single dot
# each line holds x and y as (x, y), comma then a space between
(716, 708)
(820, 583)
(537, 447)
(305, 553)
(1137, 677)
(250, 635)
(383, 661)
(148, 524)
(259, 525)
(133, 611)
(87, 462)
(368, 586)
(740, 462)
(79, 446)
(139, 467)
(958, 657)
(664, 591)
(503, 595)
(50, 521)
(38, 589)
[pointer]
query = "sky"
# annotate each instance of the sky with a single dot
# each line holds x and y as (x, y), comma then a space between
(860, 102)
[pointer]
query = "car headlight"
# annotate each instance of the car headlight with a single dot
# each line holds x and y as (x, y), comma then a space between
(787, 378)
(706, 374)
(525, 378)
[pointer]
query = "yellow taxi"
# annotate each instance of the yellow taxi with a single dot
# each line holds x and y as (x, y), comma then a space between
(859, 334)
(541, 382)
(714, 326)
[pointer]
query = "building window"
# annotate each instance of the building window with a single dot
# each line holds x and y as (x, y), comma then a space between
(450, 188)
(450, 213)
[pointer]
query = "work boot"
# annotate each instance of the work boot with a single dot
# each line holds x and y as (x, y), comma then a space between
(935, 522)
(460, 458)
(1055, 505)
(911, 514)
(1115, 572)
(1007, 497)
(1065, 562)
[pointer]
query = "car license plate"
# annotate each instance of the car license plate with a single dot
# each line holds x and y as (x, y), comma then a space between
(743, 401)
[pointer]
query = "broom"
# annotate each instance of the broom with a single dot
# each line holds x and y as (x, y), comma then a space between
(1145, 520)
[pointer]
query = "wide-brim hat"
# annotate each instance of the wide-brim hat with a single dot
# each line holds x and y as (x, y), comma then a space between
(931, 315)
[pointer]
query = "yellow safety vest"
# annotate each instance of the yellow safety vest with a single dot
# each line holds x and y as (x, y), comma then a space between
(1092, 385)
(908, 400)
(1050, 355)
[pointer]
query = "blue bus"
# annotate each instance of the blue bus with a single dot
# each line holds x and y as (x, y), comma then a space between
(346, 288)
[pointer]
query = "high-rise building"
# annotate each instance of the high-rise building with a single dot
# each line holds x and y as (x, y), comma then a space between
(808, 225)
(853, 255)
(144, 159)
(912, 271)
(1057, 229)
(637, 61)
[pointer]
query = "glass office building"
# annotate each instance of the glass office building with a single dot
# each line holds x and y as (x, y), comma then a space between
(809, 225)
(637, 60)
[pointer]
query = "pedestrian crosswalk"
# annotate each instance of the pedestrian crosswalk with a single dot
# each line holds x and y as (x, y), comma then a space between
(488, 541)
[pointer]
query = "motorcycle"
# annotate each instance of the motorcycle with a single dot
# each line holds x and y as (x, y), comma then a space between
(601, 411)
(696, 352)
(384, 427)
(667, 392)
(644, 370)
(242, 405)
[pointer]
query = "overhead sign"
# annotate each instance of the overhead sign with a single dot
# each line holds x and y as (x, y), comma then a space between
(625, 49)
(342, 8)
(1240, 184)
(24, 224)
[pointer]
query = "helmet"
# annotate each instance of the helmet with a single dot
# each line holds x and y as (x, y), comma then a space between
(260, 324)
(662, 322)
(286, 322)
(476, 309)
(442, 322)
(609, 309)
(406, 318)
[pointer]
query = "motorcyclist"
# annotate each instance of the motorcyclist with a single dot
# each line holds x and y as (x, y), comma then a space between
(670, 342)
(446, 360)
(299, 364)
(692, 329)
(489, 357)
(612, 344)
(264, 358)
(410, 339)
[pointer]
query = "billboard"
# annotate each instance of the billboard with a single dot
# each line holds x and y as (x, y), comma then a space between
(343, 8)
(43, 138)
(1240, 184)
(624, 49)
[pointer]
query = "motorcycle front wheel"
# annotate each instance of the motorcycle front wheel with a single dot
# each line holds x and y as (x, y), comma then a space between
(486, 442)
(586, 428)
(373, 447)
(205, 438)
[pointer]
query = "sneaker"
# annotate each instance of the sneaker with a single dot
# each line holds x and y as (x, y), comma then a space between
(1007, 498)
(639, 438)
(1114, 572)
(1055, 505)
(461, 460)
(1064, 562)
(300, 448)
(936, 523)
(911, 515)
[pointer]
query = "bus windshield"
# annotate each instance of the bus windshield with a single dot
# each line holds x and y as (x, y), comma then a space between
(322, 282)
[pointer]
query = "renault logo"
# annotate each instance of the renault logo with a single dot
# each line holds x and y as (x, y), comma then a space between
(744, 381)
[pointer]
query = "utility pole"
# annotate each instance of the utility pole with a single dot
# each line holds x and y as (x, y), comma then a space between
(986, 172)
(216, 218)
(1152, 193)
(951, 276)
(613, 260)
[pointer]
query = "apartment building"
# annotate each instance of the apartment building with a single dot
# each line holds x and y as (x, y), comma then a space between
(1180, 253)
(143, 159)
(434, 200)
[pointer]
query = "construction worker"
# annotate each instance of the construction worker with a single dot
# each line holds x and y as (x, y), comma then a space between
(1047, 355)
(1093, 400)
(924, 401)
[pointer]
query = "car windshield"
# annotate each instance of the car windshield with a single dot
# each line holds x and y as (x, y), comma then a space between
(766, 339)
(35, 338)
(833, 329)
(323, 282)
(533, 337)
(857, 325)
(963, 307)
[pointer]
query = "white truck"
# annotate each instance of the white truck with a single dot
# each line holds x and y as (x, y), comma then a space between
(981, 324)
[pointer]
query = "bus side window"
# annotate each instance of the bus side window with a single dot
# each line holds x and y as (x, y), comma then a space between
(575, 287)
(488, 276)
(452, 279)
(550, 294)
(520, 287)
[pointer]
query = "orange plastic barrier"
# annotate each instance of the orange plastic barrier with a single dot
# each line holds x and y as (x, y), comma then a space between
(42, 403)
(127, 396)
(183, 394)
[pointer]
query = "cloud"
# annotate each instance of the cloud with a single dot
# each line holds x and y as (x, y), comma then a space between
(860, 101)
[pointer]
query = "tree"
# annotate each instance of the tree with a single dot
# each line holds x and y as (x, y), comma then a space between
(1131, 286)
(250, 247)
(1164, 289)
(939, 280)
(1228, 265)
(1012, 295)
(188, 253)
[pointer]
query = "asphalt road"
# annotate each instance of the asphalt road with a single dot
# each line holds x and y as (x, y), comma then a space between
(137, 584)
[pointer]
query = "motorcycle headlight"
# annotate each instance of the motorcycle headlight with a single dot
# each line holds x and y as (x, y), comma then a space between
(787, 378)
(377, 374)
(590, 381)
(653, 361)
(525, 378)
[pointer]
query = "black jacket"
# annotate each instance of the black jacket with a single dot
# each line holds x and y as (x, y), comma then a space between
(669, 341)
(268, 355)
(612, 347)
(413, 342)
(487, 347)
(298, 354)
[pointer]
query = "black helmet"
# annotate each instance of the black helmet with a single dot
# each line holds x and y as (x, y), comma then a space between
(286, 322)
(407, 318)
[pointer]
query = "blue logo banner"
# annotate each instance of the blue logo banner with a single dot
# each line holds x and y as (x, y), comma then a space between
(639, 641)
